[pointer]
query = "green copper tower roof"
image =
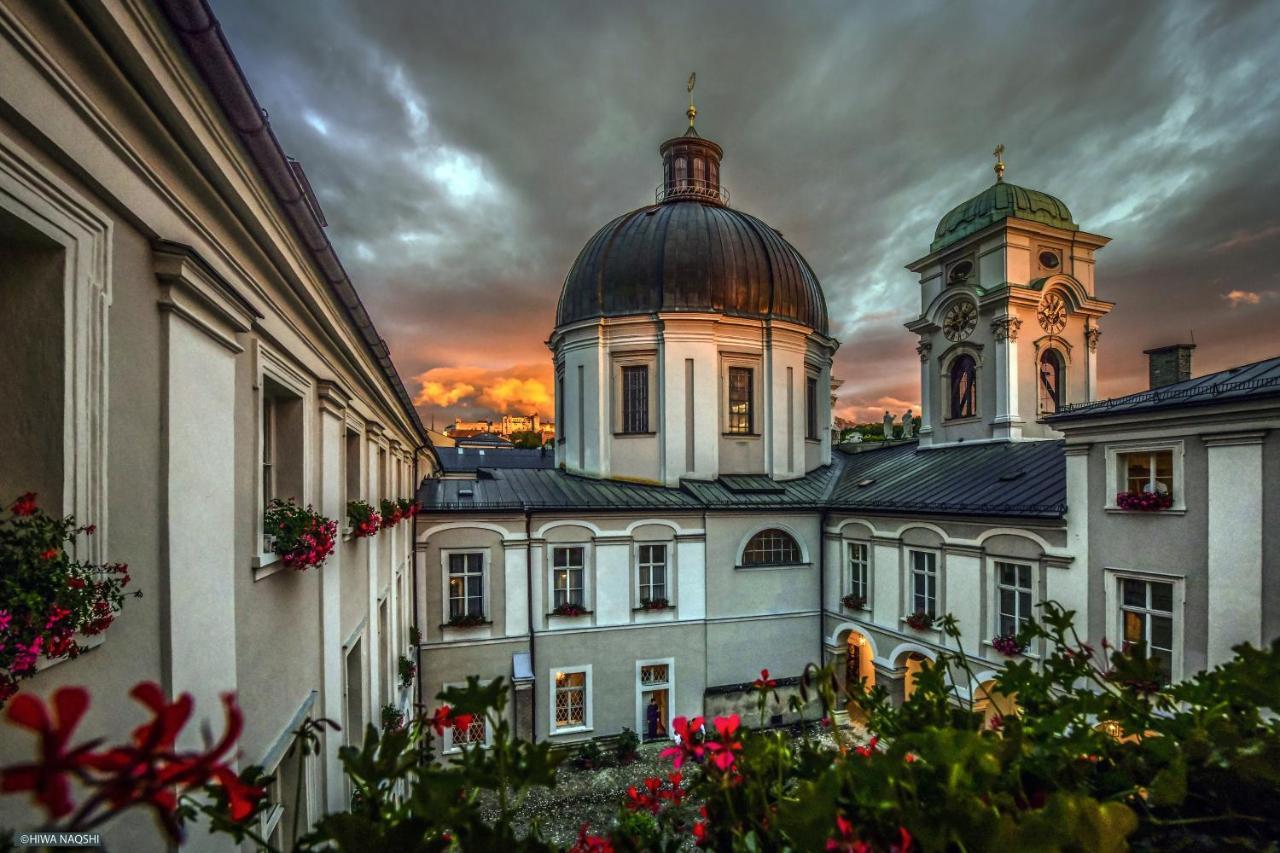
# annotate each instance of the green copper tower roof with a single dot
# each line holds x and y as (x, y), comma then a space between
(1000, 201)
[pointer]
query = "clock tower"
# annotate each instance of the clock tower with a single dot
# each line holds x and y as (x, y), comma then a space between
(1008, 325)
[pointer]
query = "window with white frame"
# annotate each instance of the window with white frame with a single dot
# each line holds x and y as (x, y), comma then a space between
(280, 446)
(572, 700)
(635, 398)
(811, 408)
(1148, 472)
(466, 585)
(860, 571)
(567, 576)
(741, 401)
(924, 582)
(1146, 613)
(355, 482)
(1013, 597)
(651, 566)
(772, 547)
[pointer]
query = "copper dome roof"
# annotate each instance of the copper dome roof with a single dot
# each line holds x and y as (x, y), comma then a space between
(689, 255)
(691, 252)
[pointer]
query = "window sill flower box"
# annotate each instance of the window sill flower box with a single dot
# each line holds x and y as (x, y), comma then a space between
(390, 512)
(466, 620)
(301, 536)
(570, 610)
(1008, 645)
(654, 604)
(854, 602)
(362, 519)
(1143, 501)
(52, 606)
(920, 621)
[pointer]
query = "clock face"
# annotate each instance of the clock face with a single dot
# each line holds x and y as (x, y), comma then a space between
(960, 321)
(1052, 313)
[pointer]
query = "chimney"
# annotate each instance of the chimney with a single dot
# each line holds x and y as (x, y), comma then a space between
(1169, 364)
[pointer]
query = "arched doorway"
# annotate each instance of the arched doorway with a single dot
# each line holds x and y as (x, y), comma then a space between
(915, 664)
(992, 703)
(859, 668)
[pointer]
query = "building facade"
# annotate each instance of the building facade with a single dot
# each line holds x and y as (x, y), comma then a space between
(699, 525)
(181, 345)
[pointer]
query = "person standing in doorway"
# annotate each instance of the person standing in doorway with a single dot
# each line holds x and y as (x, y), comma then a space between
(653, 719)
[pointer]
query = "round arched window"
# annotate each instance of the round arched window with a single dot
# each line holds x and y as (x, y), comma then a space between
(1052, 376)
(964, 379)
(960, 272)
(772, 547)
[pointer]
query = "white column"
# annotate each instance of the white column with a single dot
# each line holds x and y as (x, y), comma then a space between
(691, 578)
(1007, 422)
(924, 348)
(332, 439)
(886, 592)
(1235, 543)
(612, 577)
(203, 315)
(963, 584)
(515, 588)
(1069, 584)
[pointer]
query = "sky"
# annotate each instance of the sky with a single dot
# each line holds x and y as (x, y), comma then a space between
(463, 153)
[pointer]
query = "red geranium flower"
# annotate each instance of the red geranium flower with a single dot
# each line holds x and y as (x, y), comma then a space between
(689, 741)
(727, 744)
(764, 682)
(48, 777)
(25, 505)
(442, 718)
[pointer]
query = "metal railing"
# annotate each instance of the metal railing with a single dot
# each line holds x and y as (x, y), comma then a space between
(689, 188)
(1158, 395)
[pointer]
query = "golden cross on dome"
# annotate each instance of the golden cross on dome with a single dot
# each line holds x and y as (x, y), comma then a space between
(692, 111)
(999, 167)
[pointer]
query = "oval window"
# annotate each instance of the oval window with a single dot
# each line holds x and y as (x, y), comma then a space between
(961, 272)
(1049, 260)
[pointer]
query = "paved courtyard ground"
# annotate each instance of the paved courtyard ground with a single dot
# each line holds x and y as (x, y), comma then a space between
(594, 796)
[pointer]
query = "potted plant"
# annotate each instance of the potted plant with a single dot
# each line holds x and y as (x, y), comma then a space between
(390, 512)
(407, 670)
(408, 507)
(303, 537)
(363, 519)
(654, 604)
(854, 602)
(1008, 645)
(392, 718)
(568, 608)
(1143, 501)
(47, 598)
(920, 620)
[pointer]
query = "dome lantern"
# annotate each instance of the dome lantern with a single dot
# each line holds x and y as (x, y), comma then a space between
(691, 165)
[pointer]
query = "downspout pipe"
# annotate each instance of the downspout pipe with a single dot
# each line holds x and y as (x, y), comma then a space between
(533, 658)
(822, 586)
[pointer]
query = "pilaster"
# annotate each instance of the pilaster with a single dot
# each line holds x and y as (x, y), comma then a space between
(1235, 542)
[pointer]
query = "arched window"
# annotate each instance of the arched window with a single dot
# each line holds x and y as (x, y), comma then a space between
(1053, 373)
(713, 173)
(682, 172)
(772, 547)
(964, 379)
(699, 171)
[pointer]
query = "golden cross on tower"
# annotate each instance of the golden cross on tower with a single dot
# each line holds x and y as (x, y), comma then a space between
(999, 167)
(692, 111)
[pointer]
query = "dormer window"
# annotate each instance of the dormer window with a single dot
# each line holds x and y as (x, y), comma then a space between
(960, 273)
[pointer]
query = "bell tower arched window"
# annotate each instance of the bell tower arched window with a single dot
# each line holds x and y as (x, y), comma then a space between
(964, 380)
(1053, 374)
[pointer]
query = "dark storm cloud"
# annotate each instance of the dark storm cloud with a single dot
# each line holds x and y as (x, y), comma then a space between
(464, 153)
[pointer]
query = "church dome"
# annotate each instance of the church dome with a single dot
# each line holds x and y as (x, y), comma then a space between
(997, 202)
(691, 252)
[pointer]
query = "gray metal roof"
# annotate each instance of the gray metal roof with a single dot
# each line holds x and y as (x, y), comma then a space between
(1248, 382)
(540, 488)
(1018, 479)
(1024, 478)
(461, 460)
